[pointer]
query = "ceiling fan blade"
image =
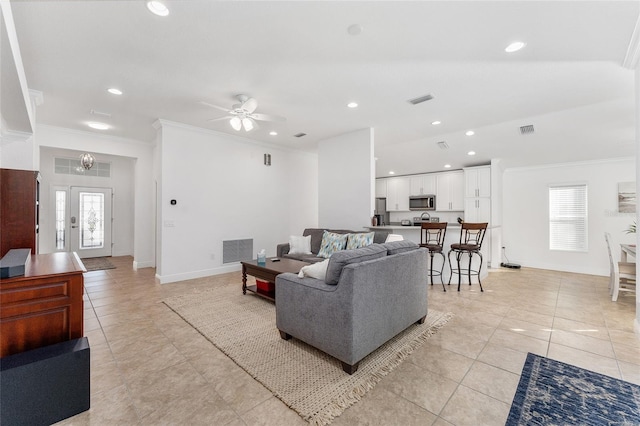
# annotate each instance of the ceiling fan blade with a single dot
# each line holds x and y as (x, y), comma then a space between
(227, 117)
(249, 105)
(267, 117)
(214, 106)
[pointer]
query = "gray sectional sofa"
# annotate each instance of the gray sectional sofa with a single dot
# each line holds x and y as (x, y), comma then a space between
(282, 250)
(368, 296)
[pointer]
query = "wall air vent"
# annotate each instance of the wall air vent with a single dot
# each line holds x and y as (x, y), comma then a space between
(443, 145)
(421, 99)
(237, 250)
(525, 130)
(299, 135)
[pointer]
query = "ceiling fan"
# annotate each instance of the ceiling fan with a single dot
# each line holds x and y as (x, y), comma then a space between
(243, 115)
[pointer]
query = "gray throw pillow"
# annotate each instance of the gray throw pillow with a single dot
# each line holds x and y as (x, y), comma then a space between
(396, 247)
(340, 259)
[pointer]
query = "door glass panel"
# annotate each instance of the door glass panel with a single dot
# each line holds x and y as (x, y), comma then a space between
(91, 220)
(61, 207)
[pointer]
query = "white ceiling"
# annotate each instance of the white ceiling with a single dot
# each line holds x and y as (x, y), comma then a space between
(298, 60)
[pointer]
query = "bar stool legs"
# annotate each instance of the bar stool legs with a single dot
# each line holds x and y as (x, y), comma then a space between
(471, 237)
(431, 254)
(470, 272)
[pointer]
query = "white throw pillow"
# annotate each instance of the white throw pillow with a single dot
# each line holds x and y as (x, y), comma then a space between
(300, 245)
(315, 270)
(394, 237)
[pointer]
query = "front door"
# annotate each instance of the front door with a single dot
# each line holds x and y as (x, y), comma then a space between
(90, 233)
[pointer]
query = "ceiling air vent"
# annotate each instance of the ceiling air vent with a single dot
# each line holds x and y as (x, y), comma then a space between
(299, 135)
(443, 145)
(421, 99)
(525, 130)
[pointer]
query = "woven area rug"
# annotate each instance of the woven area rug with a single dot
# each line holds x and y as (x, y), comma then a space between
(97, 264)
(554, 393)
(304, 378)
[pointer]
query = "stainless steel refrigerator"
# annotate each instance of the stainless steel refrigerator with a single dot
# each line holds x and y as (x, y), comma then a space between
(381, 211)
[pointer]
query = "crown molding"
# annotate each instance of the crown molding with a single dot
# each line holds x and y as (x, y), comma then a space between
(93, 135)
(632, 57)
(162, 122)
(569, 164)
(10, 136)
(36, 96)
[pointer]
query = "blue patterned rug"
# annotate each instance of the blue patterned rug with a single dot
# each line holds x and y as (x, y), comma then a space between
(554, 393)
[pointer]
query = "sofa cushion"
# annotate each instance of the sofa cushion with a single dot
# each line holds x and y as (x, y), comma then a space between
(396, 247)
(342, 258)
(360, 239)
(309, 258)
(299, 245)
(331, 243)
(316, 270)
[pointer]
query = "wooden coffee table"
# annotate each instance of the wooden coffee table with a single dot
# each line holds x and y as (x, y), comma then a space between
(267, 272)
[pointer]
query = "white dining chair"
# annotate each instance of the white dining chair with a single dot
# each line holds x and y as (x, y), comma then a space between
(622, 274)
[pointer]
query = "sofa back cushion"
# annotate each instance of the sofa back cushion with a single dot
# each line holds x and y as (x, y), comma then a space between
(396, 247)
(340, 259)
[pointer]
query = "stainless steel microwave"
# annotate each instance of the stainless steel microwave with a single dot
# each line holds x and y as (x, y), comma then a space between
(422, 202)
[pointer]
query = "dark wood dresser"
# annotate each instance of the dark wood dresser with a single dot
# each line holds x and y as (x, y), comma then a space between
(44, 306)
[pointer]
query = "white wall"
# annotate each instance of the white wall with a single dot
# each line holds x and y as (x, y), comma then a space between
(526, 214)
(142, 183)
(225, 192)
(346, 180)
(122, 174)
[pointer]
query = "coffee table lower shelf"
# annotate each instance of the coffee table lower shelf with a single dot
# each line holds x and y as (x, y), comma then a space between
(267, 272)
(269, 295)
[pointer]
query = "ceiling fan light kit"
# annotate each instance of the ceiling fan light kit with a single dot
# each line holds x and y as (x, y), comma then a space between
(243, 115)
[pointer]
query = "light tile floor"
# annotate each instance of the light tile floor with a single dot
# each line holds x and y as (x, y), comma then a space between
(149, 367)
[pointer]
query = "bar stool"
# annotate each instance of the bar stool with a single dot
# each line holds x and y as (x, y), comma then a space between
(432, 238)
(471, 236)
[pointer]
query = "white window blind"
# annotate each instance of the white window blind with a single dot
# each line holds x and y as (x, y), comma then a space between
(568, 217)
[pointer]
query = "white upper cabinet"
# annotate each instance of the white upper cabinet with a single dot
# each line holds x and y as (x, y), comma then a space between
(477, 210)
(478, 181)
(398, 194)
(422, 184)
(381, 188)
(450, 191)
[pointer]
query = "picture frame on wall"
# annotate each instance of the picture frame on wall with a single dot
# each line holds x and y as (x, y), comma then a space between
(627, 197)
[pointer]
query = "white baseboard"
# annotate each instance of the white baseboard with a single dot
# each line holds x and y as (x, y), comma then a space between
(139, 265)
(166, 279)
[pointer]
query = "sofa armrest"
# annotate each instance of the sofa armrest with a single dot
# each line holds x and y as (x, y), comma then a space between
(282, 249)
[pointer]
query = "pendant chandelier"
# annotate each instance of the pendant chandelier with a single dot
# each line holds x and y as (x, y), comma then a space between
(87, 160)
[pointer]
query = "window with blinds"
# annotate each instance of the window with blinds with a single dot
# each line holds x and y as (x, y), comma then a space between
(568, 217)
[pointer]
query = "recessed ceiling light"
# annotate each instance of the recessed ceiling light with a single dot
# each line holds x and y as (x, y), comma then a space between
(272, 133)
(98, 126)
(471, 153)
(158, 8)
(447, 166)
(352, 105)
(470, 133)
(355, 29)
(515, 46)
(392, 172)
(114, 91)
(435, 123)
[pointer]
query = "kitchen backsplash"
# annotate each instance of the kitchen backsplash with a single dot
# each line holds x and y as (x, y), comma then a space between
(444, 216)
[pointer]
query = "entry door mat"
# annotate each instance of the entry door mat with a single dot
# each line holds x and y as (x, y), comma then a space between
(97, 264)
(554, 393)
(307, 380)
